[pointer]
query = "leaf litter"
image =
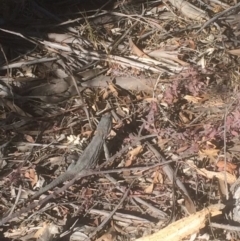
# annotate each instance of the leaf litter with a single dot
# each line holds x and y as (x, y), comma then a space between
(167, 71)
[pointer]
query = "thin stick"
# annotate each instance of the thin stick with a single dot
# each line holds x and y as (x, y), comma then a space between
(217, 16)
(70, 183)
(111, 214)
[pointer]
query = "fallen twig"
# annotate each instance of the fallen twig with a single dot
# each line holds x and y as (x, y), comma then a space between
(216, 17)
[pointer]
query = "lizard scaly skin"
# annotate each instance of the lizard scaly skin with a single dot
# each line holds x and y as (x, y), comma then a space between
(89, 157)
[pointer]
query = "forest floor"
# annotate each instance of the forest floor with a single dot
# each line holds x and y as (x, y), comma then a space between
(168, 72)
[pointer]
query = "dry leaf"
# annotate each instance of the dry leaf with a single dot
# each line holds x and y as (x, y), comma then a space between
(234, 52)
(56, 160)
(149, 189)
(150, 99)
(31, 174)
(133, 153)
(117, 228)
(113, 90)
(64, 38)
(21, 231)
(170, 55)
(162, 142)
(105, 94)
(192, 44)
(139, 97)
(230, 167)
(126, 110)
(222, 187)
(210, 174)
(158, 178)
(41, 231)
(128, 163)
(88, 192)
(218, 9)
(136, 50)
(210, 153)
(29, 138)
(183, 117)
(46, 233)
(126, 173)
(193, 99)
(110, 234)
(87, 134)
(211, 145)
(230, 179)
(189, 205)
(182, 149)
(106, 237)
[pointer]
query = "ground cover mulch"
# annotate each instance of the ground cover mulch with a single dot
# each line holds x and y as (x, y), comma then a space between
(168, 72)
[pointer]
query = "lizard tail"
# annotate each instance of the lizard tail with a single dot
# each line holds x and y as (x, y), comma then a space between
(62, 178)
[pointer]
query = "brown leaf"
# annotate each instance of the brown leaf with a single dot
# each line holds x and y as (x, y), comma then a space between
(149, 189)
(210, 153)
(189, 205)
(158, 178)
(87, 134)
(29, 138)
(162, 142)
(133, 153)
(192, 44)
(230, 179)
(126, 173)
(113, 90)
(31, 174)
(171, 55)
(230, 167)
(110, 234)
(106, 237)
(192, 99)
(150, 99)
(128, 163)
(88, 192)
(136, 50)
(183, 117)
(41, 231)
(182, 149)
(222, 187)
(234, 52)
(105, 94)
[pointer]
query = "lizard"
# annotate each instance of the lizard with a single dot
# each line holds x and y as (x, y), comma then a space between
(87, 160)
